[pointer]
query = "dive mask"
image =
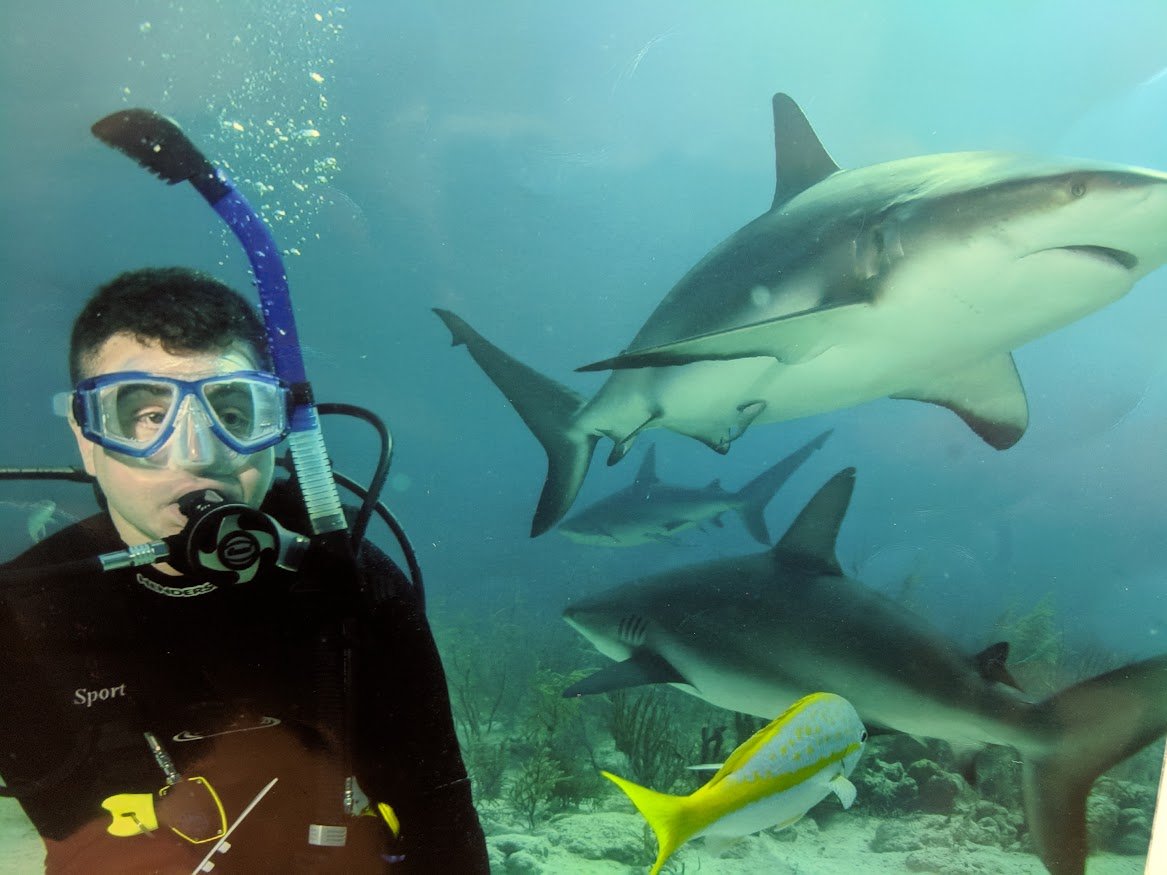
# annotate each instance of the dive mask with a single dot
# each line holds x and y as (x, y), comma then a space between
(135, 413)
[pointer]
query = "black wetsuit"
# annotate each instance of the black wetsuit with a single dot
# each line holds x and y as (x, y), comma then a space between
(240, 684)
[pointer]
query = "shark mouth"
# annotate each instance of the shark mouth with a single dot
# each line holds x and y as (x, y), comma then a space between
(1117, 257)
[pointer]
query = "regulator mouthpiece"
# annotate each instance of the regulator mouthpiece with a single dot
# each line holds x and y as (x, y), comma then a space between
(228, 542)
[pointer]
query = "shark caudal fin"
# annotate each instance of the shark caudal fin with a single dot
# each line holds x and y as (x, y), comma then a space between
(1096, 724)
(547, 408)
(756, 494)
(667, 815)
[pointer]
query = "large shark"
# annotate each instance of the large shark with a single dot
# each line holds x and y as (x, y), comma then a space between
(757, 632)
(910, 279)
(652, 511)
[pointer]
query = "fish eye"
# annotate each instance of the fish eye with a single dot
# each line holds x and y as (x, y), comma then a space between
(1077, 189)
(863, 736)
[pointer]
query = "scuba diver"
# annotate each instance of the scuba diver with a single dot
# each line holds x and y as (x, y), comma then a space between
(207, 691)
(190, 683)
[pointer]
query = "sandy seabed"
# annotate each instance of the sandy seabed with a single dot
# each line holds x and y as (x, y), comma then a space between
(570, 845)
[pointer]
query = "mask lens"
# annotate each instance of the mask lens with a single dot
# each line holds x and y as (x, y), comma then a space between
(249, 410)
(135, 414)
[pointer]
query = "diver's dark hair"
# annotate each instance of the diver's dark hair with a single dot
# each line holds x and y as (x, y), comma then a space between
(183, 310)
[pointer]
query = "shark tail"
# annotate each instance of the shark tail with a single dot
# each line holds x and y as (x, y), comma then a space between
(669, 817)
(1097, 724)
(549, 410)
(755, 495)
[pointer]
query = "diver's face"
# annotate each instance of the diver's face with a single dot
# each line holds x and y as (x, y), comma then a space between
(143, 498)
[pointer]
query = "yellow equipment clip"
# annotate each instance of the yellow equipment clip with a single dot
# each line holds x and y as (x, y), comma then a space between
(133, 814)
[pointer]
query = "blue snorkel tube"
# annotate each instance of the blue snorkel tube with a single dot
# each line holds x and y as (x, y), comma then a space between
(159, 145)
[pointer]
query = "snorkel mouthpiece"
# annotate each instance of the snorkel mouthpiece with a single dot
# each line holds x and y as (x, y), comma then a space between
(159, 145)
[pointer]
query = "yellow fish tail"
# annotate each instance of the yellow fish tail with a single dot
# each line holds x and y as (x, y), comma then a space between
(667, 815)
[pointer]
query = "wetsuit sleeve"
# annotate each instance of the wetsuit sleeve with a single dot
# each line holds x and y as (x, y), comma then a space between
(406, 746)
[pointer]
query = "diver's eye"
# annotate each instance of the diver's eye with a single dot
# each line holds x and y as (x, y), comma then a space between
(1078, 189)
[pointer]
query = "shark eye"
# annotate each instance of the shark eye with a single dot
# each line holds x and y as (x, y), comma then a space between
(1077, 189)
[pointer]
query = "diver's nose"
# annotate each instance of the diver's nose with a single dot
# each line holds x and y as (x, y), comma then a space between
(193, 446)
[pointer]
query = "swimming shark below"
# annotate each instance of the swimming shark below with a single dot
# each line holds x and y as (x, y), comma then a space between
(755, 633)
(914, 279)
(651, 511)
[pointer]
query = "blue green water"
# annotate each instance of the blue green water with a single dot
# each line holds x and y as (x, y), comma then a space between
(548, 172)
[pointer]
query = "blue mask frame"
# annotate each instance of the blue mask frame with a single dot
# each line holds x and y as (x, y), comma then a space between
(90, 416)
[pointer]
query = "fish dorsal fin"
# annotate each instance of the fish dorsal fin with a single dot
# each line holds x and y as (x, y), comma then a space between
(990, 664)
(800, 160)
(646, 476)
(810, 540)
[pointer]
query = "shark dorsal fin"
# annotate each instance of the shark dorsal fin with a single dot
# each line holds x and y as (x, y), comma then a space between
(646, 476)
(810, 540)
(800, 160)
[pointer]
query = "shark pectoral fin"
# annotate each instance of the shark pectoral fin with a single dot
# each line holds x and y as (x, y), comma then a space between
(844, 789)
(989, 397)
(791, 339)
(643, 667)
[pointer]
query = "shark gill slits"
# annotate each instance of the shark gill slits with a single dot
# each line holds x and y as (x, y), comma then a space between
(632, 629)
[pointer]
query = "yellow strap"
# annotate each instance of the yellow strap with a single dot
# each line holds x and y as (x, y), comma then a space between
(390, 817)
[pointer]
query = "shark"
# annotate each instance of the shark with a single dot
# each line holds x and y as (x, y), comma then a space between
(757, 632)
(652, 511)
(914, 278)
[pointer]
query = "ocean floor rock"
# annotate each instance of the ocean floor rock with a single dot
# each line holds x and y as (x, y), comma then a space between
(603, 836)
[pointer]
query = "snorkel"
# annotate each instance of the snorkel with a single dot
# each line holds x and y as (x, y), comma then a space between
(159, 145)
